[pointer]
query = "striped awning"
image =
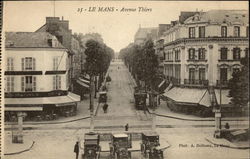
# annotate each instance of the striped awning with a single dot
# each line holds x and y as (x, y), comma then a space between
(84, 81)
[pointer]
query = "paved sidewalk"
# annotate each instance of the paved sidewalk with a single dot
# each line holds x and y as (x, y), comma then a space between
(16, 148)
(164, 111)
(225, 143)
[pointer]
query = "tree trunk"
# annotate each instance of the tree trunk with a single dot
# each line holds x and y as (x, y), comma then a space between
(91, 106)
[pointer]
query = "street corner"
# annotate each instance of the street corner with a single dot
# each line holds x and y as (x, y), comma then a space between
(17, 148)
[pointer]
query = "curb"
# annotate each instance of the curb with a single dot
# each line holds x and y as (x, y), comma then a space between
(228, 146)
(15, 153)
(58, 122)
(178, 118)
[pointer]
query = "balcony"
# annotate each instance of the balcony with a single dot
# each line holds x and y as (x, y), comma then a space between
(193, 82)
(197, 60)
(222, 83)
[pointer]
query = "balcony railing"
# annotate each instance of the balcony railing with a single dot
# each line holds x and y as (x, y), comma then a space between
(222, 83)
(196, 82)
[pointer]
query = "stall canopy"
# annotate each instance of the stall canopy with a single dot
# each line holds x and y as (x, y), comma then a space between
(70, 98)
(225, 100)
(84, 81)
(162, 86)
(189, 95)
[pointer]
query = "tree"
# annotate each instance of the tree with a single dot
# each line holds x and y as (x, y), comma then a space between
(93, 66)
(239, 86)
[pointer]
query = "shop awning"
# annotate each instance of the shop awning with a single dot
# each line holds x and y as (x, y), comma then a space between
(43, 100)
(83, 81)
(225, 100)
(189, 95)
(206, 101)
(23, 109)
(162, 86)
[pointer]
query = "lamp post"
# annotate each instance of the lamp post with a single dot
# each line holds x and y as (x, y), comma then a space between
(217, 111)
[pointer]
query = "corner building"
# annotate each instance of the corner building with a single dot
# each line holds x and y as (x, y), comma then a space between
(36, 76)
(202, 51)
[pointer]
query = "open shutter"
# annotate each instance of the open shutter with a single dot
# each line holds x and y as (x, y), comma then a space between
(54, 82)
(34, 64)
(34, 84)
(22, 64)
(22, 84)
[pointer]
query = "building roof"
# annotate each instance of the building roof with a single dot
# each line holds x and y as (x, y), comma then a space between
(221, 16)
(143, 33)
(30, 40)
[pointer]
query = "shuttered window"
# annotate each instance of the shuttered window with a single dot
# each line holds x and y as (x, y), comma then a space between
(10, 64)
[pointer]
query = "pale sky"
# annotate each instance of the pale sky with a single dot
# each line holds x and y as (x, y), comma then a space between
(117, 28)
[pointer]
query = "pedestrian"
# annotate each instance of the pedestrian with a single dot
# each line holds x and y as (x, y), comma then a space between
(126, 127)
(227, 126)
(105, 107)
(76, 149)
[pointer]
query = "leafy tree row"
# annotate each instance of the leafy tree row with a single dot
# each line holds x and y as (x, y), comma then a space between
(142, 63)
(239, 85)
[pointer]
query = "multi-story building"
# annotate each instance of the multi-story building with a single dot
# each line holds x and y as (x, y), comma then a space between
(36, 75)
(60, 29)
(205, 49)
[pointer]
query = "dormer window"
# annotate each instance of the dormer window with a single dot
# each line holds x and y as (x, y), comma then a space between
(236, 31)
(50, 42)
(223, 31)
(192, 32)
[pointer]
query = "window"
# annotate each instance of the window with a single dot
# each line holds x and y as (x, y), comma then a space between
(28, 64)
(55, 63)
(223, 74)
(202, 52)
(56, 82)
(246, 52)
(10, 65)
(191, 54)
(236, 53)
(223, 31)
(247, 31)
(192, 32)
(10, 84)
(177, 55)
(28, 83)
(192, 75)
(202, 32)
(223, 53)
(202, 75)
(177, 71)
(236, 31)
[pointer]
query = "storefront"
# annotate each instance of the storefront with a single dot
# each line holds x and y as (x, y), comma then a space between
(42, 108)
(189, 101)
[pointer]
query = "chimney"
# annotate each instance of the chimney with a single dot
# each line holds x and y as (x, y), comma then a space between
(62, 18)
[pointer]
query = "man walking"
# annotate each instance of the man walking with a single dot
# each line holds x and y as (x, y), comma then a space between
(126, 127)
(76, 149)
(105, 107)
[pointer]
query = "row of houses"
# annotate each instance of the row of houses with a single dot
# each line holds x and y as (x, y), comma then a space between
(198, 51)
(42, 70)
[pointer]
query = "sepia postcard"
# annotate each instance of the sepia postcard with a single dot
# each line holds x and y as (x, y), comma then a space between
(124, 80)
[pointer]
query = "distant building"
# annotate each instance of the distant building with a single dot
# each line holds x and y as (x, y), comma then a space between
(143, 34)
(203, 49)
(37, 67)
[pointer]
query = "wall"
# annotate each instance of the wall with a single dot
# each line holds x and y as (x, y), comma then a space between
(44, 62)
